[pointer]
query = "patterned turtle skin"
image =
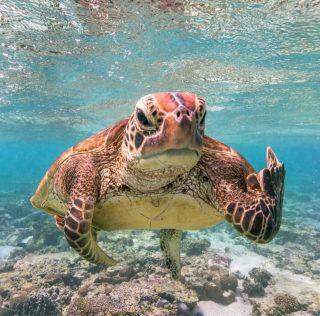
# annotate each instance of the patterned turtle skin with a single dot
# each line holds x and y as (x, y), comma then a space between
(158, 170)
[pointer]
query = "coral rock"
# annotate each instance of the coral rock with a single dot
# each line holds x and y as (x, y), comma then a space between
(286, 304)
(261, 276)
(195, 247)
(253, 289)
(35, 305)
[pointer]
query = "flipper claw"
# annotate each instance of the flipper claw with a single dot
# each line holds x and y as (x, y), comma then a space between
(277, 173)
(272, 160)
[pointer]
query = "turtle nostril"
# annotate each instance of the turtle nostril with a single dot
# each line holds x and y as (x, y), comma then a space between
(178, 113)
(188, 113)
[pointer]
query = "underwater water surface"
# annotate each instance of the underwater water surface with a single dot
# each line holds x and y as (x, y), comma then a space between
(70, 68)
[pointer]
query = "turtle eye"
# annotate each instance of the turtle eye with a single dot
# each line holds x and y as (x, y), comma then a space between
(203, 118)
(142, 118)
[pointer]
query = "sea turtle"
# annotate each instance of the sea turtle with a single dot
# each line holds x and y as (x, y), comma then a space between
(158, 170)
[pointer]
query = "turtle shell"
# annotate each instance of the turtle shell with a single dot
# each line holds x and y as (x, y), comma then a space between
(95, 143)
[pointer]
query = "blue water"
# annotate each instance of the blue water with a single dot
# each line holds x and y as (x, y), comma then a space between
(257, 63)
(65, 76)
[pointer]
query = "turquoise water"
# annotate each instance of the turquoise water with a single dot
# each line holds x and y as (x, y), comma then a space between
(68, 70)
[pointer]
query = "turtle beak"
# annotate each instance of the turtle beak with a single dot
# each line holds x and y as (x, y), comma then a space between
(179, 131)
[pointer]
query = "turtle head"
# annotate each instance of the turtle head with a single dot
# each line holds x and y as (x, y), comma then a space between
(163, 137)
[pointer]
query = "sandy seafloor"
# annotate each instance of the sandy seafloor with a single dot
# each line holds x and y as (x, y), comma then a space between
(223, 274)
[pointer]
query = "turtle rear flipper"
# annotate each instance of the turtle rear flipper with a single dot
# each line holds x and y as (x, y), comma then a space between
(170, 240)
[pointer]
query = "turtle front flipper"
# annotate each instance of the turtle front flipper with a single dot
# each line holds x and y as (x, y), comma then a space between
(170, 240)
(59, 222)
(257, 213)
(80, 234)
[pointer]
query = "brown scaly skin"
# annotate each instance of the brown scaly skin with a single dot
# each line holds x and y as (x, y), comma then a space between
(161, 150)
(252, 203)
